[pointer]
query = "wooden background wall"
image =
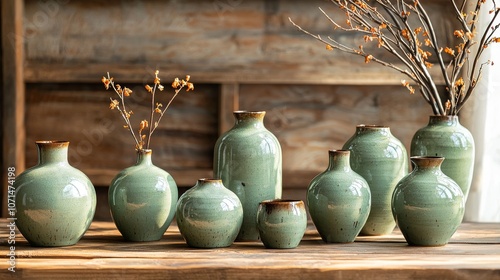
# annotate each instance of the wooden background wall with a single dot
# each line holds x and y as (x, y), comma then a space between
(241, 54)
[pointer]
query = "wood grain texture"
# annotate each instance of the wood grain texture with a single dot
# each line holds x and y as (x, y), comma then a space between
(217, 41)
(12, 90)
(308, 120)
(102, 253)
(100, 146)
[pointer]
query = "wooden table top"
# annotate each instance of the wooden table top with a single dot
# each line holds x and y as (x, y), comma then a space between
(473, 253)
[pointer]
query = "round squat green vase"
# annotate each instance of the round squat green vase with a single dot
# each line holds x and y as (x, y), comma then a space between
(142, 199)
(209, 215)
(55, 202)
(339, 200)
(247, 159)
(428, 206)
(382, 160)
(282, 223)
(444, 136)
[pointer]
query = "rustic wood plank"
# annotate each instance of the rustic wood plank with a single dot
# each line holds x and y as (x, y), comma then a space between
(228, 103)
(474, 251)
(13, 90)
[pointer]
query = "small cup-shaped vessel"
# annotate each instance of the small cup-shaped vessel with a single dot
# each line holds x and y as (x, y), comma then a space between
(382, 160)
(248, 160)
(55, 202)
(281, 223)
(339, 200)
(142, 199)
(428, 206)
(209, 215)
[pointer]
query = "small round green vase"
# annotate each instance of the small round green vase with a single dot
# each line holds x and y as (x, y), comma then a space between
(382, 160)
(55, 202)
(428, 206)
(209, 215)
(281, 223)
(339, 200)
(142, 199)
(248, 160)
(444, 136)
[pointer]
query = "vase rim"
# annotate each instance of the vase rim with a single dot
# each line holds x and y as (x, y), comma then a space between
(207, 180)
(248, 112)
(371, 126)
(144, 151)
(280, 201)
(426, 157)
(51, 142)
(342, 151)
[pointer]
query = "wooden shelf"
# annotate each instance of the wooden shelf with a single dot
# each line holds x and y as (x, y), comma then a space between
(473, 253)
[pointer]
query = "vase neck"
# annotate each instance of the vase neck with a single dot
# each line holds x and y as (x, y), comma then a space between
(444, 120)
(339, 160)
(246, 118)
(427, 163)
(144, 157)
(209, 182)
(52, 152)
(370, 129)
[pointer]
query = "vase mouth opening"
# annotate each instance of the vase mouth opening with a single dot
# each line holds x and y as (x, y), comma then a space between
(209, 180)
(144, 151)
(341, 152)
(280, 201)
(371, 126)
(249, 112)
(52, 142)
(426, 157)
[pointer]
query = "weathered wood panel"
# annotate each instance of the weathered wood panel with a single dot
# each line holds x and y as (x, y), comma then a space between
(232, 41)
(309, 120)
(101, 146)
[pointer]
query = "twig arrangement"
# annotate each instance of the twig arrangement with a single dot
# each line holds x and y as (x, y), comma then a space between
(142, 141)
(388, 23)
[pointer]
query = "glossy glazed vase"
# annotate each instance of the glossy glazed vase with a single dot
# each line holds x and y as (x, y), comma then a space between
(281, 223)
(142, 199)
(444, 136)
(55, 202)
(382, 160)
(428, 206)
(209, 215)
(248, 160)
(339, 200)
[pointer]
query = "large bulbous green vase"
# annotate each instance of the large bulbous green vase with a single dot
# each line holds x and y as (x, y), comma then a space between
(55, 202)
(142, 199)
(338, 200)
(444, 136)
(209, 215)
(428, 206)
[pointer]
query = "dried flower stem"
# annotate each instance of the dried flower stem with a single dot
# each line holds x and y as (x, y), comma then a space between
(392, 30)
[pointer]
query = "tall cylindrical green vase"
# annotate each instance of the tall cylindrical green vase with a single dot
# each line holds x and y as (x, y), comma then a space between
(142, 199)
(428, 206)
(338, 200)
(382, 160)
(247, 159)
(55, 202)
(444, 136)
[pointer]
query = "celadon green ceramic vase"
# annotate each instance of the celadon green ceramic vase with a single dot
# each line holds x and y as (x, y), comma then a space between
(55, 202)
(281, 223)
(142, 199)
(247, 159)
(428, 206)
(444, 136)
(209, 215)
(382, 160)
(339, 200)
